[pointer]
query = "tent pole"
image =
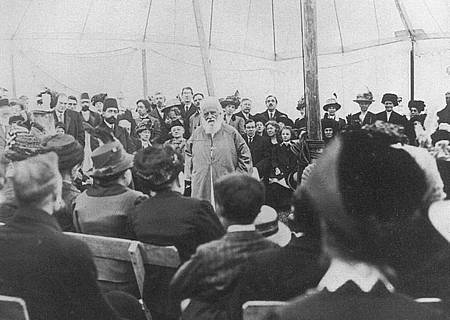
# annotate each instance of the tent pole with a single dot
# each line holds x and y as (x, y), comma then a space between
(310, 75)
(144, 73)
(13, 77)
(412, 66)
(203, 48)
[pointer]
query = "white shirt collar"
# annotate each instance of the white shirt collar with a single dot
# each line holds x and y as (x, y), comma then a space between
(241, 227)
(108, 124)
(364, 275)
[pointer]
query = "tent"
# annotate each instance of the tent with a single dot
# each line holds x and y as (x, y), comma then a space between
(255, 46)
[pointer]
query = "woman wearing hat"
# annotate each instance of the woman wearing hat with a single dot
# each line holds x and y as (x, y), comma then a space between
(330, 107)
(367, 240)
(102, 208)
(416, 134)
(229, 105)
(390, 100)
(359, 119)
(144, 133)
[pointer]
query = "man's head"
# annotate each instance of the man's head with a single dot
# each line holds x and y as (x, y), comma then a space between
(198, 97)
(98, 100)
(72, 102)
(38, 183)
(239, 198)
(447, 98)
(177, 129)
(110, 110)
(62, 102)
(160, 100)
(211, 115)
(85, 101)
(246, 105)
(271, 102)
(260, 127)
(250, 128)
(142, 107)
(390, 100)
(186, 95)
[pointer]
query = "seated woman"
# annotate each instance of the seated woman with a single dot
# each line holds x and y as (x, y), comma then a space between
(369, 196)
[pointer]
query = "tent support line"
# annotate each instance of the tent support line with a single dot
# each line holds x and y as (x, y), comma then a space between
(407, 23)
(273, 34)
(144, 55)
(310, 75)
(203, 47)
(13, 77)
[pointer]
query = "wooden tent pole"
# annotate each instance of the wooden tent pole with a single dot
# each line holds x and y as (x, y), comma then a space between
(204, 49)
(310, 75)
(144, 73)
(13, 77)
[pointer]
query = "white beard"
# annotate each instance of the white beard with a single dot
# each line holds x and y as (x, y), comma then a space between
(212, 128)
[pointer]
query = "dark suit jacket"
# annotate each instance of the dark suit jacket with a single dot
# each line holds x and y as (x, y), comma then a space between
(73, 123)
(169, 219)
(368, 119)
(241, 114)
(164, 128)
(122, 135)
(260, 150)
(349, 302)
(264, 116)
(186, 115)
(93, 121)
(444, 115)
(52, 272)
(395, 118)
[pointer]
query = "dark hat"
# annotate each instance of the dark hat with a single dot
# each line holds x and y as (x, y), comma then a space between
(157, 166)
(418, 104)
(176, 123)
(23, 146)
(143, 126)
(390, 97)
(69, 151)
(84, 96)
(4, 102)
(98, 98)
(110, 103)
(14, 119)
(230, 100)
(331, 102)
(109, 159)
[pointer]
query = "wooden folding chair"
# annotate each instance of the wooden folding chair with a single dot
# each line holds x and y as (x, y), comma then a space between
(12, 308)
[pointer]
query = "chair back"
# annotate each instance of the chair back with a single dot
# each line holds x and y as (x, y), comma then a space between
(258, 310)
(12, 308)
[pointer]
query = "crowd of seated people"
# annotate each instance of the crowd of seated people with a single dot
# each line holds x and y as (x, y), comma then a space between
(368, 224)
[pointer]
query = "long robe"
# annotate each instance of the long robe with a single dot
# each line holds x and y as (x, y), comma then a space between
(209, 157)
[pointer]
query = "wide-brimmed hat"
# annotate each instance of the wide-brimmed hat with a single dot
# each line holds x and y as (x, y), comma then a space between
(331, 102)
(4, 102)
(230, 100)
(392, 97)
(109, 159)
(418, 104)
(69, 151)
(271, 228)
(172, 103)
(23, 146)
(364, 97)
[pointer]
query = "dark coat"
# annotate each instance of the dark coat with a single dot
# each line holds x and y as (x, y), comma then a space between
(284, 159)
(278, 116)
(122, 135)
(93, 121)
(64, 216)
(169, 219)
(341, 122)
(155, 125)
(260, 150)
(349, 302)
(444, 115)
(186, 116)
(236, 122)
(395, 118)
(355, 121)
(73, 124)
(164, 127)
(279, 274)
(52, 272)
(241, 114)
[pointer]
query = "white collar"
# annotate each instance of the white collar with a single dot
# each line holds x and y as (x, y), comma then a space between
(389, 112)
(241, 227)
(364, 275)
(108, 124)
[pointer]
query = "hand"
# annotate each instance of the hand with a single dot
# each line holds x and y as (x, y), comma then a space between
(277, 171)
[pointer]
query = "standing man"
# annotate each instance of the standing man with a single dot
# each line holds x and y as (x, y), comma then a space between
(364, 100)
(390, 100)
(194, 119)
(73, 122)
(72, 103)
(214, 150)
(259, 148)
(110, 113)
(187, 108)
(160, 114)
(444, 114)
(246, 107)
(272, 113)
(97, 101)
(143, 108)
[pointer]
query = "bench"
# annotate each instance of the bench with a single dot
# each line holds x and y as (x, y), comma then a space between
(12, 308)
(120, 261)
(257, 310)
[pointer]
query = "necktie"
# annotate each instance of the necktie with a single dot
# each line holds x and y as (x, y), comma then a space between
(250, 140)
(271, 115)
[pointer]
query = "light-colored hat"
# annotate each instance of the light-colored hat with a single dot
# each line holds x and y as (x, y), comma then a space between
(364, 97)
(331, 102)
(268, 225)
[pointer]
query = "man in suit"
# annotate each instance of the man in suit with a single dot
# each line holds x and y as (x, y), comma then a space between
(195, 119)
(143, 108)
(187, 108)
(72, 120)
(390, 100)
(54, 273)
(272, 113)
(211, 272)
(91, 119)
(109, 124)
(246, 107)
(160, 113)
(444, 114)
(359, 119)
(259, 148)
